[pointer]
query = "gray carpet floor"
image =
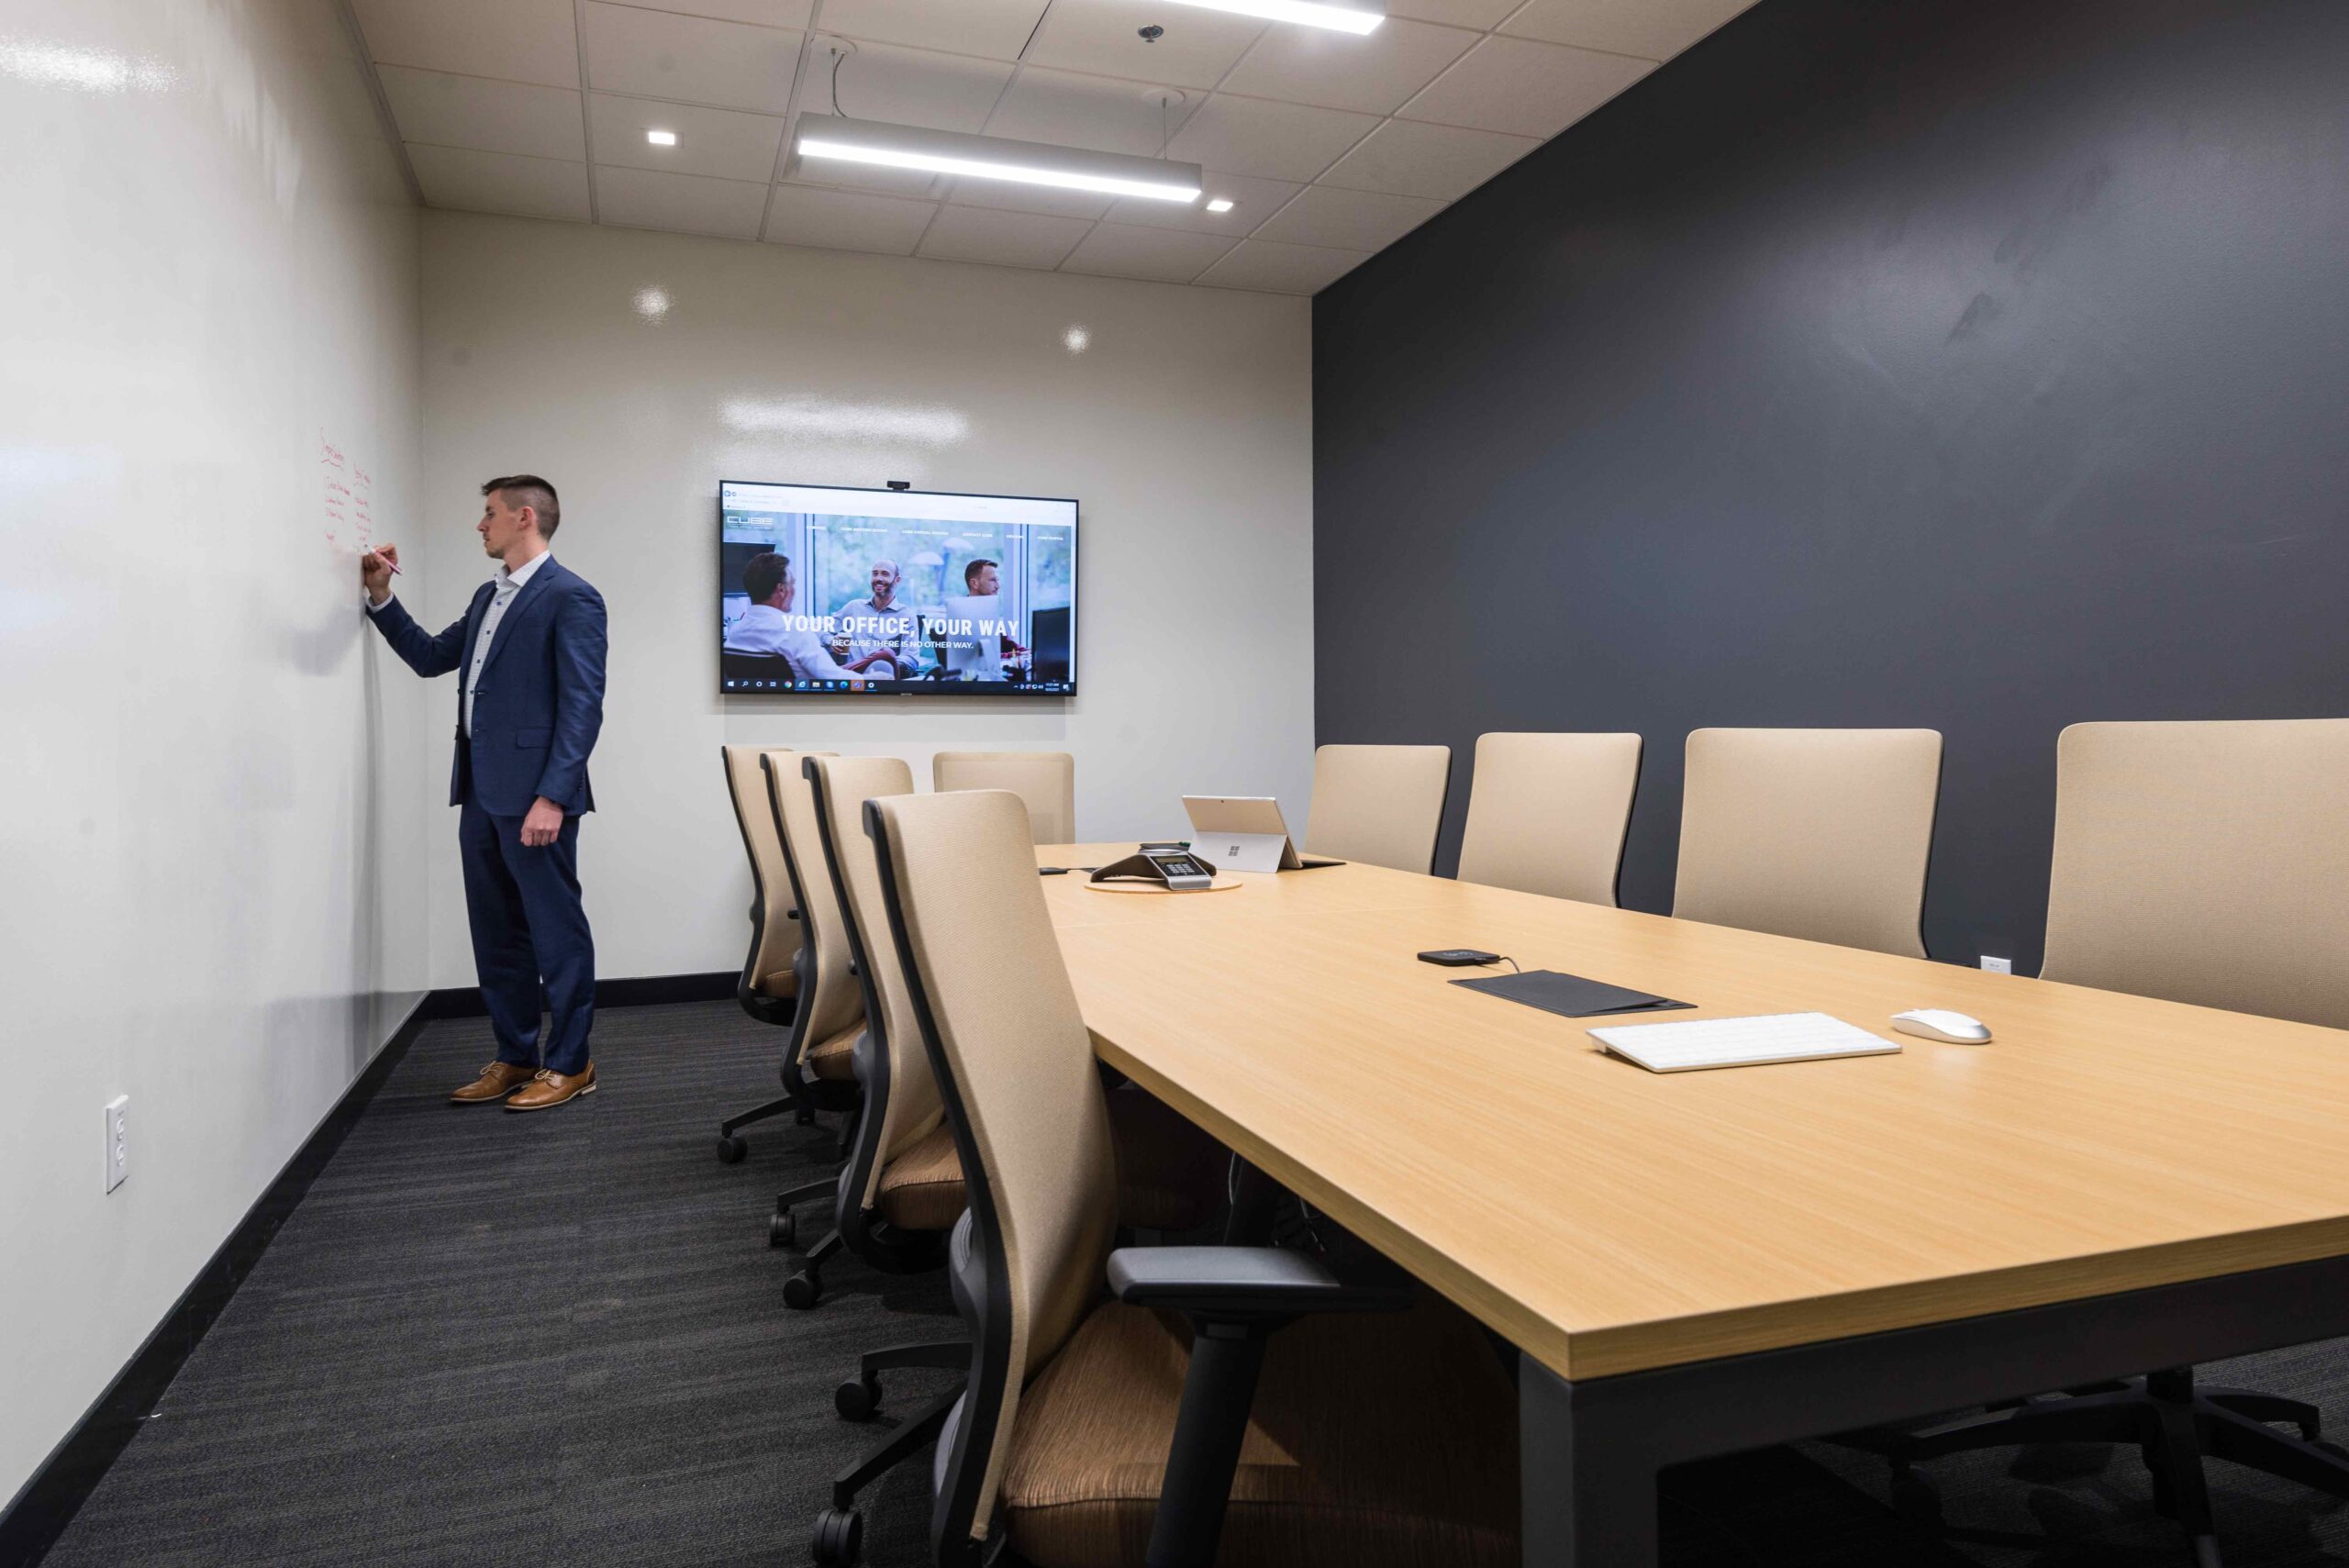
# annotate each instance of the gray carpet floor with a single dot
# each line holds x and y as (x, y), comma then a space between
(488, 1339)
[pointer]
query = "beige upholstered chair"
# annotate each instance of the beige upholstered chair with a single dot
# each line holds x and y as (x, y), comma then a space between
(1822, 834)
(768, 978)
(1044, 781)
(2207, 863)
(819, 1067)
(1382, 805)
(831, 1006)
(1382, 1439)
(902, 1189)
(1547, 813)
(770, 981)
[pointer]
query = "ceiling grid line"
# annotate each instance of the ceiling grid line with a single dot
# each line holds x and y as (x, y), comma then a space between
(790, 113)
(586, 121)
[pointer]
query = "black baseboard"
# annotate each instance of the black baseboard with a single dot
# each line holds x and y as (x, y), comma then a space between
(642, 991)
(39, 1512)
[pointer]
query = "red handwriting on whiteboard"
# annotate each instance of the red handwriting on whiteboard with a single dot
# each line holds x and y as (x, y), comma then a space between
(341, 503)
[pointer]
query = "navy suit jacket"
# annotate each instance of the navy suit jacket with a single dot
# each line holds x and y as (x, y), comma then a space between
(541, 701)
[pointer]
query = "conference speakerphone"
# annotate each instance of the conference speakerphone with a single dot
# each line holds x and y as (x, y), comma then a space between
(1177, 870)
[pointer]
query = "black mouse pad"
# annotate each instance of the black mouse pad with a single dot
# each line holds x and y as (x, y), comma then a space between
(1569, 995)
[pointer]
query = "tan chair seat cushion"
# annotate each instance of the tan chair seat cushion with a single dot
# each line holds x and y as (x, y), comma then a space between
(784, 982)
(923, 1188)
(834, 1059)
(1170, 1174)
(1376, 1438)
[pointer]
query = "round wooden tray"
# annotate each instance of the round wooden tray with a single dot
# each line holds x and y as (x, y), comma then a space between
(1224, 881)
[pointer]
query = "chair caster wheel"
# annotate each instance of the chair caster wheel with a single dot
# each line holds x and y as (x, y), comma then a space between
(839, 1535)
(783, 1227)
(857, 1399)
(1916, 1498)
(730, 1149)
(800, 1290)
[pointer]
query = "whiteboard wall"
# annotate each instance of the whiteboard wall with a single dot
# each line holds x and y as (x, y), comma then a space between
(207, 400)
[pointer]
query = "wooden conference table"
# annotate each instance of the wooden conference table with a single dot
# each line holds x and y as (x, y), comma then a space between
(1702, 1262)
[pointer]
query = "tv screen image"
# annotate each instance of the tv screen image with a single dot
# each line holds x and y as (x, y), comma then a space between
(823, 589)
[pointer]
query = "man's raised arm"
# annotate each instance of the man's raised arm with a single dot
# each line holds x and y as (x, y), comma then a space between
(423, 652)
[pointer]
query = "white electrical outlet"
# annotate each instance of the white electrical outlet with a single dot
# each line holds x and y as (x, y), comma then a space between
(1997, 966)
(118, 1140)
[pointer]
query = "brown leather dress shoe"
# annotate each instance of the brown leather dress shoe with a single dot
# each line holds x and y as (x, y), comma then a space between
(552, 1089)
(497, 1080)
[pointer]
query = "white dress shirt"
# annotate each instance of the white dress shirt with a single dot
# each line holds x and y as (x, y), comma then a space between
(765, 630)
(508, 584)
(871, 630)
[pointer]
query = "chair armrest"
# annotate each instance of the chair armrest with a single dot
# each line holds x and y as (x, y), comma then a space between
(1243, 1282)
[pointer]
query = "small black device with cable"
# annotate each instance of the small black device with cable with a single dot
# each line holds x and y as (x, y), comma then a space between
(1462, 957)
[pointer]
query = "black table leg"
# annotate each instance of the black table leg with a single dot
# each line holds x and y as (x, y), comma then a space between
(1588, 1485)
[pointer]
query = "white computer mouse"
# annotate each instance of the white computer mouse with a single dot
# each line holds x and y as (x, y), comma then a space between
(1940, 1023)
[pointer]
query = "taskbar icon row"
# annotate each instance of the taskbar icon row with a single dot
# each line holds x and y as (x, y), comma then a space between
(804, 685)
(735, 686)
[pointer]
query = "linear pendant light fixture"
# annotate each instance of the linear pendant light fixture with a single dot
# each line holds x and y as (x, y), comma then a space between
(1311, 13)
(832, 138)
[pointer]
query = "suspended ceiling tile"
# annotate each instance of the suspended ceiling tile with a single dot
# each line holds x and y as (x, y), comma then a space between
(500, 182)
(690, 60)
(1524, 88)
(1373, 74)
(486, 115)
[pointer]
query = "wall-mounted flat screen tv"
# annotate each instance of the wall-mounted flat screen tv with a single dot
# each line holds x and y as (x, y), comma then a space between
(897, 592)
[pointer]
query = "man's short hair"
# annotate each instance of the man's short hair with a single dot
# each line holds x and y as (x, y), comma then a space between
(972, 571)
(520, 490)
(895, 574)
(763, 575)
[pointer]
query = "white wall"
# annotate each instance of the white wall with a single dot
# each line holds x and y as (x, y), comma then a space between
(209, 271)
(1184, 428)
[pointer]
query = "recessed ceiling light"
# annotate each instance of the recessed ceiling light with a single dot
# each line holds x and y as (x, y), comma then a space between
(1311, 13)
(829, 138)
(662, 138)
(1221, 203)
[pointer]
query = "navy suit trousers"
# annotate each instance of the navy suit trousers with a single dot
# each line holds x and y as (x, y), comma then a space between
(529, 927)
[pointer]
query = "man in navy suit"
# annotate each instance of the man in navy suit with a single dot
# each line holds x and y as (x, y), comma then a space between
(532, 647)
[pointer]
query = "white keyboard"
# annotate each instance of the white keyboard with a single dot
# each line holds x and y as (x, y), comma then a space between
(1740, 1043)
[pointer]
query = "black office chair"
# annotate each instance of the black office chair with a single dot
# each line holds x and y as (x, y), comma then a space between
(2177, 846)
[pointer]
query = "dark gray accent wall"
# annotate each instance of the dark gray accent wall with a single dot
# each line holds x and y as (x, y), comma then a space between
(1981, 364)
